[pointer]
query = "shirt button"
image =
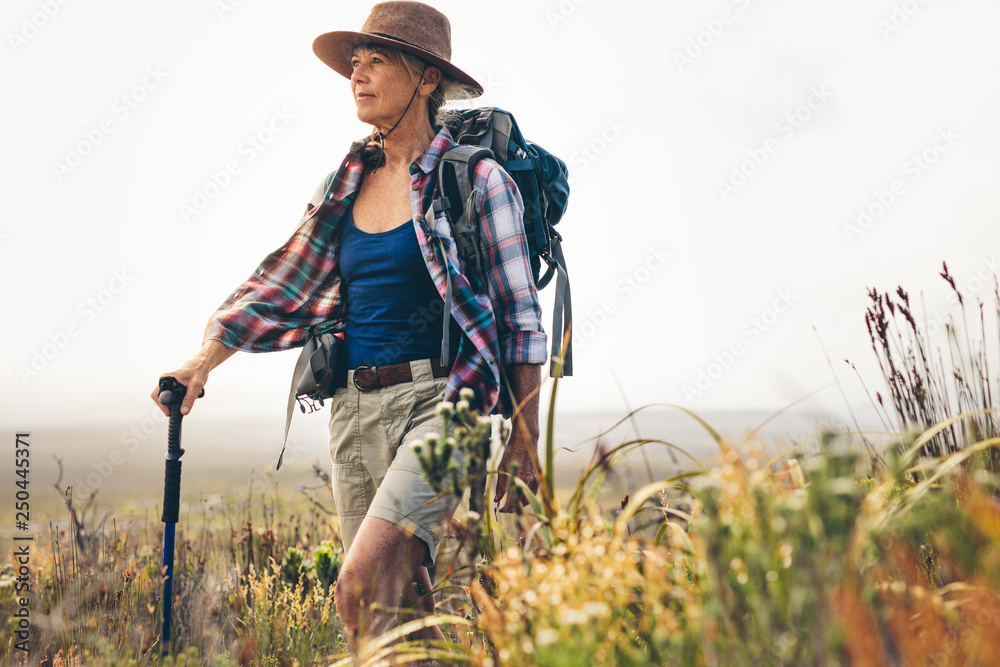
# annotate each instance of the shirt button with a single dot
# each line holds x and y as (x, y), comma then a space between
(430, 258)
(414, 187)
(468, 327)
(420, 218)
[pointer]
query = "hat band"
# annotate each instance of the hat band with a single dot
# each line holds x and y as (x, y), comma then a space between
(397, 39)
(382, 34)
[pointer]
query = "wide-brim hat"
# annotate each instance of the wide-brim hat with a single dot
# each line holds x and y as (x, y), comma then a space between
(408, 26)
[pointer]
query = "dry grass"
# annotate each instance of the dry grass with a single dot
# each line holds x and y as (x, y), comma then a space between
(837, 558)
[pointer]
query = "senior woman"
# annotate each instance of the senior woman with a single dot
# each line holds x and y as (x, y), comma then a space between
(372, 259)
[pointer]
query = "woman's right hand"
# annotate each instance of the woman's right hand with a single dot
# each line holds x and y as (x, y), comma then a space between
(194, 374)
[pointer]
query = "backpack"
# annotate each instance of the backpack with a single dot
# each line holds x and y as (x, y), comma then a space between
(542, 180)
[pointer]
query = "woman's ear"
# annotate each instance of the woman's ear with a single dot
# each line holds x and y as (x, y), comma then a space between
(431, 80)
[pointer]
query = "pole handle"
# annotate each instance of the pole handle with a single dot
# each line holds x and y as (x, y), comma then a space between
(172, 395)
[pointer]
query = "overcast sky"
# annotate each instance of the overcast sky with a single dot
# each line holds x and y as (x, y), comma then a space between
(742, 170)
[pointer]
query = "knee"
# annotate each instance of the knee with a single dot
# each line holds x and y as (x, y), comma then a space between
(348, 596)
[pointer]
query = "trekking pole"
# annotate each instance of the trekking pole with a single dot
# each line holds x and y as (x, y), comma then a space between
(171, 394)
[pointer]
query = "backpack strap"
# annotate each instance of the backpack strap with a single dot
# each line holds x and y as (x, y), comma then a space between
(478, 130)
(562, 312)
(437, 205)
(456, 180)
(456, 184)
(309, 369)
(302, 366)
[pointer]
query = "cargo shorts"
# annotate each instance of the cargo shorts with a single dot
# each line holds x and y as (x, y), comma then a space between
(375, 471)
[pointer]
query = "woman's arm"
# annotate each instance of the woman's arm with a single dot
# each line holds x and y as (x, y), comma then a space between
(521, 338)
(506, 267)
(235, 322)
(194, 373)
(523, 444)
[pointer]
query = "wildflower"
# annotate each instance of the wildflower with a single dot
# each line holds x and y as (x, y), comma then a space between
(572, 617)
(546, 636)
(596, 609)
(785, 551)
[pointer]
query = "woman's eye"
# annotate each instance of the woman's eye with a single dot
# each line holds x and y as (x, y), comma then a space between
(376, 60)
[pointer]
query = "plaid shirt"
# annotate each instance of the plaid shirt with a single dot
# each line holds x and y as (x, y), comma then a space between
(298, 287)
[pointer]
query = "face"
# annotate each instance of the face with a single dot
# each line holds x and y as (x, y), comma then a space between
(381, 86)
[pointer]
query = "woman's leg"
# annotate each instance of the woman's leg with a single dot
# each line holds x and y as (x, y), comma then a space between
(403, 520)
(379, 567)
(419, 597)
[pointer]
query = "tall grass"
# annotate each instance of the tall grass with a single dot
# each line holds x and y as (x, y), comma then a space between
(823, 559)
(927, 386)
(253, 585)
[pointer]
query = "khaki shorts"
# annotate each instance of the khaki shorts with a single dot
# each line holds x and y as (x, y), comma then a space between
(375, 472)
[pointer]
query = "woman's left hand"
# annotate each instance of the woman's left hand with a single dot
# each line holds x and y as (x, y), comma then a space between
(516, 450)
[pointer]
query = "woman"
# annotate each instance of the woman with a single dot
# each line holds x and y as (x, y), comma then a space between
(372, 258)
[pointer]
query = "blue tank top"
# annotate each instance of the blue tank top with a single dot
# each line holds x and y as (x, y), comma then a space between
(394, 312)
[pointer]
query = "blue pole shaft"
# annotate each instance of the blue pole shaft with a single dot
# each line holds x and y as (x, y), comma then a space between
(171, 503)
(168, 584)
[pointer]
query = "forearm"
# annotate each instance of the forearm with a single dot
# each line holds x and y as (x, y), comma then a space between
(211, 354)
(521, 451)
(525, 380)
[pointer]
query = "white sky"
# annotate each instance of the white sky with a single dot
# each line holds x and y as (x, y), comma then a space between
(648, 138)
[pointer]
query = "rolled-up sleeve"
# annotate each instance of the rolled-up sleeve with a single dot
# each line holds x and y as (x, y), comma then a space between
(294, 288)
(506, 267)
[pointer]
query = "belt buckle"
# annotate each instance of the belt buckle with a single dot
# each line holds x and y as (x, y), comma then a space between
(354, 378)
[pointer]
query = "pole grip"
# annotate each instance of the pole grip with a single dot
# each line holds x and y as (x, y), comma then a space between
(171, 395)
(171, 491)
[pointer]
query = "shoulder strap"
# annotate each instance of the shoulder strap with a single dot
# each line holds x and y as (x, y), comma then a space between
(302, 368)
(457, 197)
(319, 370)
(562, 314)
(456, 181)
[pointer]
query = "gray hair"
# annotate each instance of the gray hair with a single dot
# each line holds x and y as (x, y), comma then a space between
(447, 90)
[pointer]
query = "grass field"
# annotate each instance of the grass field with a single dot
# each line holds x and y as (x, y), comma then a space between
(832, 549)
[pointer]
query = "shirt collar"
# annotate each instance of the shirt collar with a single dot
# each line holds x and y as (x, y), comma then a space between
(430, 158)
(426, 163)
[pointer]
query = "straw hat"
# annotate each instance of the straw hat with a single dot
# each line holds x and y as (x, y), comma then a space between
(408, 26)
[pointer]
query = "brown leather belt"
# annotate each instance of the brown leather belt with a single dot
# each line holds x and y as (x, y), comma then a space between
(367, 378)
